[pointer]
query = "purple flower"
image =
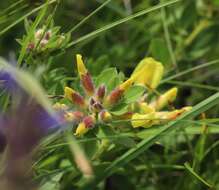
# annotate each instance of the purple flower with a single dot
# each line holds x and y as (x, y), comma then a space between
(22, 127)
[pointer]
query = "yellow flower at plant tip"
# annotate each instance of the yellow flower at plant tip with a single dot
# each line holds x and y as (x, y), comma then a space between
(165, 99)
(81, 129)
(148, 72)
(80, 65)
(142, 120)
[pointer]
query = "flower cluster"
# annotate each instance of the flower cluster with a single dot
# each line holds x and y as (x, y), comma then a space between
(97, 104)
(46, 40)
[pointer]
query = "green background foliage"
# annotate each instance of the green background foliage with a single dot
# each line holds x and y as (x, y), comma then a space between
(183, 35)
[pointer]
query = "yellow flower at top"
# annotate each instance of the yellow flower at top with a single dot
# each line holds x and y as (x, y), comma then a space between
(148, 72)
(80, 65)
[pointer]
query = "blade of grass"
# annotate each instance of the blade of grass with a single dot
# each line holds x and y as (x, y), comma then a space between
(118, 22)
(11, 7)
(194, 85)
(194, 174)
(167, 37)
(146, 143)
(210, 63)
(24, 16)
(89, 16)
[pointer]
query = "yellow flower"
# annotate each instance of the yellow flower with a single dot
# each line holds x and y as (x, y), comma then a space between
(81, 129)
(126, 85)
(68, 93)
(148, 72)
(74, 97)
(80, 65)
(142, 120)
(171, 115)
(165, 99)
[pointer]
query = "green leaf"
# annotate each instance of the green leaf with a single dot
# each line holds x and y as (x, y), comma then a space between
(109, 77)
(134, 93)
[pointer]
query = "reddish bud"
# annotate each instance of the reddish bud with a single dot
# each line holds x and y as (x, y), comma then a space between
(101, 91)
(31, 46)
(89, 121)
(97, 106)
(74, 96)
(114, 96)
(87, 83)
(78, 99)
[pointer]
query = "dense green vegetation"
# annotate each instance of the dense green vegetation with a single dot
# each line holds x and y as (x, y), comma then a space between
(39, 41)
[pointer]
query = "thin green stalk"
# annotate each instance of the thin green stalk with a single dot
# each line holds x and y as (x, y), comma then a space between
(210, 63)
(198, 177)
(194, 85)
(167, 37)
(89, 16)
(24, 16)
(121, 21)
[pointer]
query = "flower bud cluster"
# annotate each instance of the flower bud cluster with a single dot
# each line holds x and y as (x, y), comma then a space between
(96, 104)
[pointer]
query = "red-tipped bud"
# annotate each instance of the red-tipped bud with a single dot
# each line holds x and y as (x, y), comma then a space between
(74, 116)
(75, 97)
(89, 121)
(114, 97)
(30, 46)
(97, 106)
(101, 91)
(86, 79)
(104, 116)
(87, 83)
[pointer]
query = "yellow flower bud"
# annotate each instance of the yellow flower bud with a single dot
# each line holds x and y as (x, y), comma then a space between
(165, 99)
(148, 72)
(126, 85)
(81, 129)
(80, 65)
(74, 97)
(104, 116)
(68, 93)
(142, 120)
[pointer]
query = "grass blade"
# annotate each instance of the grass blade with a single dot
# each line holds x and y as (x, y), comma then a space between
(89, 16)
(26, 15)
(191, 171)
(121, 21)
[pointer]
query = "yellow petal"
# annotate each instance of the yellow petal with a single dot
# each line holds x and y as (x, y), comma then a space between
(125, 85)
(148, 72)
(142, 120)
(165, 99)
(80, 65)
(68, 93)
(81, 129)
